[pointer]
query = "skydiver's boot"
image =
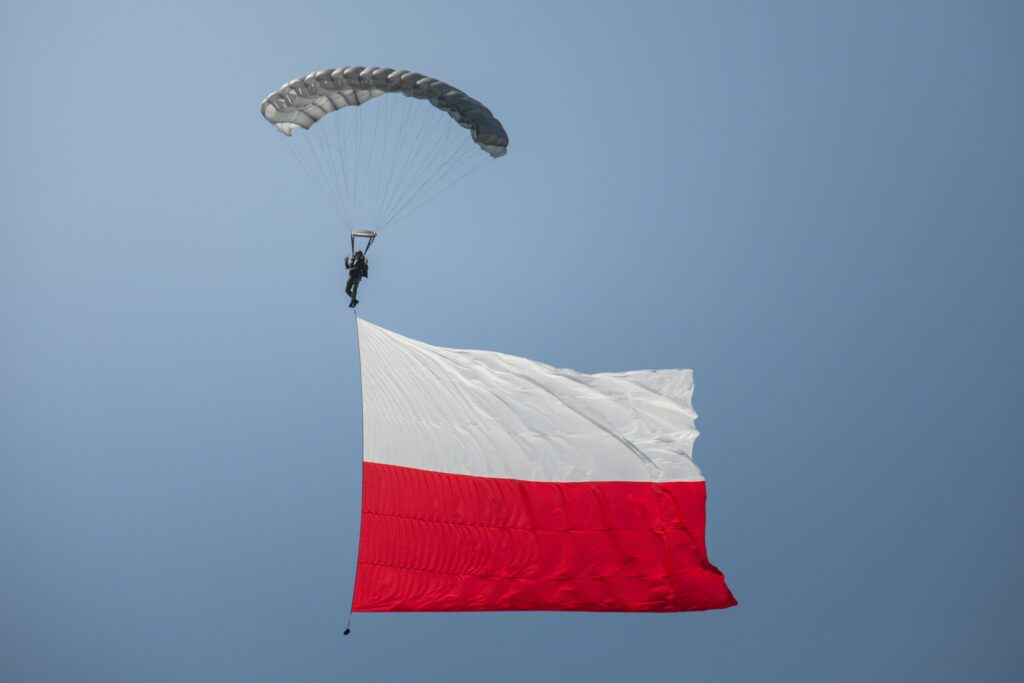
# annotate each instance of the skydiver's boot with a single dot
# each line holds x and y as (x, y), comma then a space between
(352, 304)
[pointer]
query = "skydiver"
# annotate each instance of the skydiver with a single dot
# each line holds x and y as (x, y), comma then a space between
(358, 268)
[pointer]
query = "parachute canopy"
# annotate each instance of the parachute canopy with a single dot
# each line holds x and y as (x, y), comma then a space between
(377, 166)
(302, 102)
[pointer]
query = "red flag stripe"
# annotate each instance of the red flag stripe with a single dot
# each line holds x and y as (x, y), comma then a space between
(433, 541)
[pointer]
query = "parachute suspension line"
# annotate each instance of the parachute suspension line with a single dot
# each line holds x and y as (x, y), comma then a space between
(386, 113)
(399, 209)
(365, 171)
(386, 199)
(307, 165)
(434, 148)
(398, 217)
(454, 161)
(373, 140)
(332, 164)
(437, 160)
(357, 148)
(344, 149)
(427, 151)
(335, 130)
(324, 156)
(451, 162)
(338, 180)
(393, 162)
(405, 142)
(373, 120)
(362, 451)
(430, 149)
(329, 196)
(417, 150)
(323, 165)
(333, 158)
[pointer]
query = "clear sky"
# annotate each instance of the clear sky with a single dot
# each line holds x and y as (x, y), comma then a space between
(817, 206)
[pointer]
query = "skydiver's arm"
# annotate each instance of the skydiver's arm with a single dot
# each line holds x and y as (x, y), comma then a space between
(346, 261)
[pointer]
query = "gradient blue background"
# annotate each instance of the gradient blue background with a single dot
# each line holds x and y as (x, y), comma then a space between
(816, 205)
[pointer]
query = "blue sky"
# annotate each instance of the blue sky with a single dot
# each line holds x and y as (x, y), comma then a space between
(816, 206)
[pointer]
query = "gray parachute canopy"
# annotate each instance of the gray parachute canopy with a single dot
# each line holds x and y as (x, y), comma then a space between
(304, 101)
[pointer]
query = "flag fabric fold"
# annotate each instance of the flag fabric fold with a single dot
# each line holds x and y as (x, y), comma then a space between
(493, 482)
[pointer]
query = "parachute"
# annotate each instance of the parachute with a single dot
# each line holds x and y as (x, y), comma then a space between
(377, 166)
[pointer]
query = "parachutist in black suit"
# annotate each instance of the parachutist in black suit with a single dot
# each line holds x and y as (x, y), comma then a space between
(358, 268)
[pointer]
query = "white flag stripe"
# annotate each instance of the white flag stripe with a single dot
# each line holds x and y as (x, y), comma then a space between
(488, 414)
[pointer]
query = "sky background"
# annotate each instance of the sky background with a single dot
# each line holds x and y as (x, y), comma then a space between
(817, 206)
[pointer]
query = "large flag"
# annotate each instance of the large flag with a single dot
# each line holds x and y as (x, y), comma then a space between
(492, 482)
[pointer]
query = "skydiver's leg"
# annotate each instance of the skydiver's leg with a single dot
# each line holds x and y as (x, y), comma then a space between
(354, 282)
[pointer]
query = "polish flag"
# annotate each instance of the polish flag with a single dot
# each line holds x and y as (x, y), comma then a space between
(492, 482)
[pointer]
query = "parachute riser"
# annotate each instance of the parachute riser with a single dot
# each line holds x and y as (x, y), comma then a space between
(368, 235)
